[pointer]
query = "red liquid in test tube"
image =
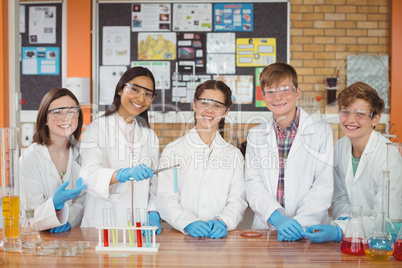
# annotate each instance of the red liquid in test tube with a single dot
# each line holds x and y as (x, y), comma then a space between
(139, 235)
(105, 237)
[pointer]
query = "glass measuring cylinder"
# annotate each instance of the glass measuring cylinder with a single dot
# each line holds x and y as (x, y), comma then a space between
(10, 187)
(379, 246)
(353, 243)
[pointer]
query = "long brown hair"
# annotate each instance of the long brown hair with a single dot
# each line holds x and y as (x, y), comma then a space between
(41, 135)
(128, 75)
(215, 85)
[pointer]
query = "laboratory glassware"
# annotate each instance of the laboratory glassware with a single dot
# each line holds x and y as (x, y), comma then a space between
(138, 224)
(10, 187)
(355, 237)
(106, 223)
(398, 246)
(29, 232)
(112, 221)
(394, 199)
(130, 224)
(379, 245)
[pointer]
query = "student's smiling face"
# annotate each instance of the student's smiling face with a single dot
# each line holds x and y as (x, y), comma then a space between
(209, 113)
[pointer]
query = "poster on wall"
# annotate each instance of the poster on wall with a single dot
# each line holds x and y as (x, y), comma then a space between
(241, 86)
(42, 25)
(40, 60)
(221, 63)
(157, 46)
(221, 42)
(109, 76)
(191, 52)
(233, 17)
(259, 99)
(184, 85)
(151, 17)
(192, 17)
(116, 45)
(160, 70)
(255, 51)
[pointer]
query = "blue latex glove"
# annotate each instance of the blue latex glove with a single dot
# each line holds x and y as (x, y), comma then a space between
(60, 229)
(154, 220)
(218, 229)
(328, 233)
(198, 229)
(62, 195)
(342, 218)
(288, 227)
(138, 173)
(281, 237)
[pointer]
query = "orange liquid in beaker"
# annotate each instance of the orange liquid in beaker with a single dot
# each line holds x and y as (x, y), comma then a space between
(398, 250)
(11, 214)
(353, 246)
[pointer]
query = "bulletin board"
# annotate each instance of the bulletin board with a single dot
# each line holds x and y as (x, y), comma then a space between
(41, 46)
(187, 43)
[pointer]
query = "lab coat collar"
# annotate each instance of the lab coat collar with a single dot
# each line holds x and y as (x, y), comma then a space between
(306, 124)
(195, 139)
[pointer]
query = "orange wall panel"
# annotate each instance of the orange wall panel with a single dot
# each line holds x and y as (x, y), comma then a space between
(79, 43)
(396, 67)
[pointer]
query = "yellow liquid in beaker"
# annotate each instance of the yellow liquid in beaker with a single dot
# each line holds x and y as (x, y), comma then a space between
(11, 214)
(378, 254)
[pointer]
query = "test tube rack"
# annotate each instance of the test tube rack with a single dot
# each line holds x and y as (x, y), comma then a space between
(124, 244)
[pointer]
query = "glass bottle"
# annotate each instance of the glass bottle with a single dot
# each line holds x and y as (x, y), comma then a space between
(30, 237)
(352, 244)
(379, 246)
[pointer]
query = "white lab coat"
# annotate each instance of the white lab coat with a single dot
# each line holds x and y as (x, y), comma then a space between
(210, 182)
(104, 150)
(39, 181)
(308, 173)
(365, 188)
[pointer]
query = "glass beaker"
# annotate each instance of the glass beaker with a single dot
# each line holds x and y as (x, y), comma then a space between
(30, 237)
(398, 246)
(379, 246)
(354, 239)
(394, 200)
(10, 188)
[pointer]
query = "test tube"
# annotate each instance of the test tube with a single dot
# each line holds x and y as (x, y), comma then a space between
(105, 231)
(146, 223)
(138, 224)
(112, 221)
(175, 180)
(130, 224)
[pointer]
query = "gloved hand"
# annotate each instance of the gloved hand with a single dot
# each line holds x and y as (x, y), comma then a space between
(138, 173)
(218, 229)
(62, 195)
(281, 237)
(328, 233)
(62, 228)
(342, 218)
(154, 220)
(288, 227)
(198, 229)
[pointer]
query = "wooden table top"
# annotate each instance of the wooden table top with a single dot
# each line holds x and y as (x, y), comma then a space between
(179, 250)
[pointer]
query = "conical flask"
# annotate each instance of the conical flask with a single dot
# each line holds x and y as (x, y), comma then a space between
(354, 239)
(379, 246)
(398, 246)
(30, 237)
